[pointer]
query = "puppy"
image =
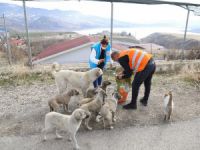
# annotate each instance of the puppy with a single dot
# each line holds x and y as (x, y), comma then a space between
(80, 80)
(107, 112)
(168, 105)
(74, 103)
(70, 123)
(105, 84)
(61, 99)
(91, 92)
(94, 107)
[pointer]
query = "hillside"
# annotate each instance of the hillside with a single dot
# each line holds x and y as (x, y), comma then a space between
(171, 41)
(54, 20)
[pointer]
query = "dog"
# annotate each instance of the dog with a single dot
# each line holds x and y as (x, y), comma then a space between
(105, 84)
(80, 80)
(74, 103)
(62, 99)
(91, 92)
(168, 106)
(70, 123)
(94, 107)
(108, 110)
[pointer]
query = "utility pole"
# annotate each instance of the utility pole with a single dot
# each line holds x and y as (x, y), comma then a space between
(7, 42)
(27, 37)
(185, 33)
(111, 26)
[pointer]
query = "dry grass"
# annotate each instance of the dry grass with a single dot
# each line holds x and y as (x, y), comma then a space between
(176, 54)
(192, 75)
(20, 74)
(18, 55)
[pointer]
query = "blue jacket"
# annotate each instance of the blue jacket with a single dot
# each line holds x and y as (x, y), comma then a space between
(97, 47)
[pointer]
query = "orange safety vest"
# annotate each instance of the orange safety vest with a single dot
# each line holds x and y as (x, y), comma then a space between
(138, 59)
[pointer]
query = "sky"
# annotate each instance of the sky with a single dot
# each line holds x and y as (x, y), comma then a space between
(135, 13)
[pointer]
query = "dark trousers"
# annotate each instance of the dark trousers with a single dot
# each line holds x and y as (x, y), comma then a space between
(97, 82)
(145, 77)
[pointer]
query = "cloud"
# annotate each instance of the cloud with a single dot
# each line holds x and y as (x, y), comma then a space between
(135, 13)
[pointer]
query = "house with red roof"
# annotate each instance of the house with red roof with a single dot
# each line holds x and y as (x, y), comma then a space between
(17, 42)
(70, 51)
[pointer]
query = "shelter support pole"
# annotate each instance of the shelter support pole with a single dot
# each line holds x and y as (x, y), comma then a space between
(111, 26)
(7, 42)
(27, 36)
(185, 33)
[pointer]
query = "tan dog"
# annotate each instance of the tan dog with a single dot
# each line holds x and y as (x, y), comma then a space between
(168, 105)
(107, 112)
(70, 123)
(75, 101)
(94, 107)
(105, 84)
(81, 80)
(62, 99)
(91, 92)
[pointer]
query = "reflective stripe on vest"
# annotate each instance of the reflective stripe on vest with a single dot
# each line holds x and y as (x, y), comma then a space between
(139, 60)
(134, 58)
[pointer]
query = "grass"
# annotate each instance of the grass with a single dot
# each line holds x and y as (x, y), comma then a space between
(19, 75)
(191, 76)
(22, 75)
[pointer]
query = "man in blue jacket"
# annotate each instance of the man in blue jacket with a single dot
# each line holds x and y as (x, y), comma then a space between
(99, 57)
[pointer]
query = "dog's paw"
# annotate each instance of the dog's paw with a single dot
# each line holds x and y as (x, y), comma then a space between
(76, 148)
(98, 118)
(89, 128)
(111, 127)
(69, 139)
(59, 137)
(44, 140)
(114, 119)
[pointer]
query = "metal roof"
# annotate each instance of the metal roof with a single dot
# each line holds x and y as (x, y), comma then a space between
(153, 2)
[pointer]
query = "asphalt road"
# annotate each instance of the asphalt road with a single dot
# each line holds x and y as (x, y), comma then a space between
(177, 136)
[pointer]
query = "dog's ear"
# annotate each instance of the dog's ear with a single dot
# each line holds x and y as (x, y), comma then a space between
(95, 91)
(165, 95)
(70, 93)
(77, 115)
(170, 92)
(97, 74)
(77, 92)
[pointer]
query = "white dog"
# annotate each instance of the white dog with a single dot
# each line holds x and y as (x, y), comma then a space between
(168, 105)
(80, 80)
(70, 123)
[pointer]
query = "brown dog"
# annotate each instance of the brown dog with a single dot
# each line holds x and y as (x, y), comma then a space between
(62, 99)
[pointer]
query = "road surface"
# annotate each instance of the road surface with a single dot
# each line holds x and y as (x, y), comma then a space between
(177, 136)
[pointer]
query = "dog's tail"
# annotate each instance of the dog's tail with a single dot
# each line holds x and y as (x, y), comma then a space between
(170, 98)
(55, 68)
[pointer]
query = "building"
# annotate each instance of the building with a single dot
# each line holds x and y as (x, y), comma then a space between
(70, 51)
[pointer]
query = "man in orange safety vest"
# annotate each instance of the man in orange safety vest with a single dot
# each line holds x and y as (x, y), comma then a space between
(142, 65)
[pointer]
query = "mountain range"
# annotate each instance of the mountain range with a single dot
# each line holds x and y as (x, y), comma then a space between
(54, 20)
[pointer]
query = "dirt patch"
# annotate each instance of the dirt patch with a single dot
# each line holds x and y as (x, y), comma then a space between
(23, 108)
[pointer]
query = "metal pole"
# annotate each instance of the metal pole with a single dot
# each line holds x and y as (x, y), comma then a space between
(186, 26)
(7, 42)
(185, 33)
(111, 26)
(27, 36)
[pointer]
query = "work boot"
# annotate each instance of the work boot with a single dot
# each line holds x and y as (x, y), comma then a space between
(143, 102)
(130, 106)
